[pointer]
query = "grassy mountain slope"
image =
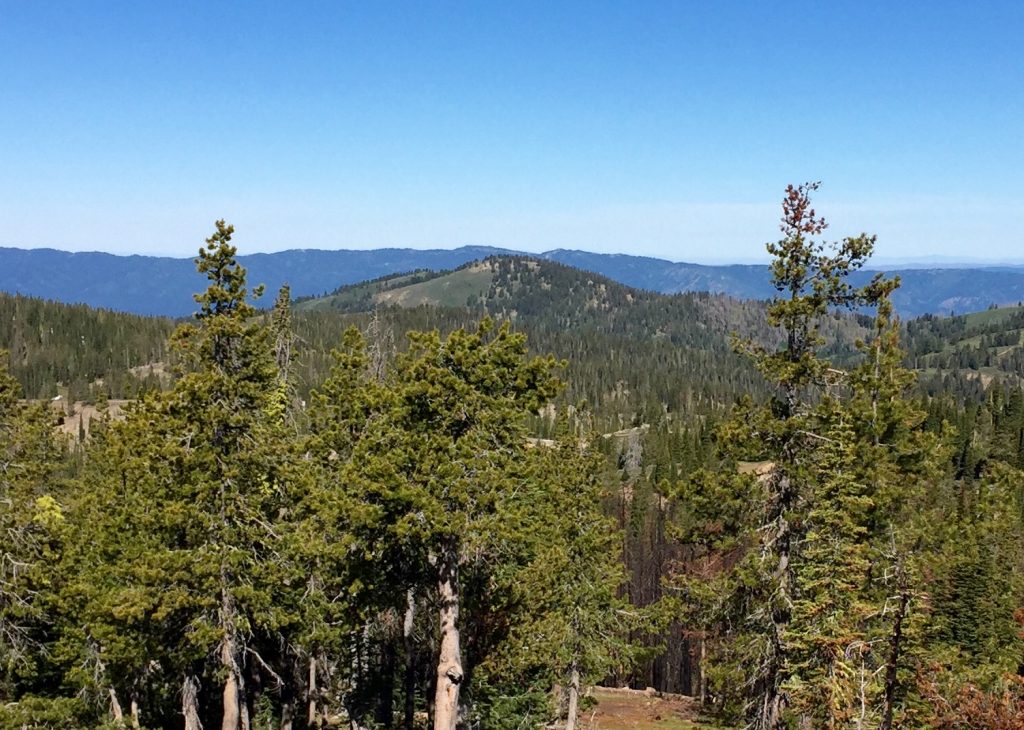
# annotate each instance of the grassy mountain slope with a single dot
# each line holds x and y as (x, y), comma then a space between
(463, 287)
(994, 316)
(550, 295)
(968, 352)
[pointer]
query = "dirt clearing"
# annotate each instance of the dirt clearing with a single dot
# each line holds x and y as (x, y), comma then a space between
(630, 709)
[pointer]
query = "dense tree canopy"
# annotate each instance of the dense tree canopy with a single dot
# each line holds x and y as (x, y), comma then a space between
(302, 519)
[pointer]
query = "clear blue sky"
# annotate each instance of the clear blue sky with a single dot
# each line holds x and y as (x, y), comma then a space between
(661, 129)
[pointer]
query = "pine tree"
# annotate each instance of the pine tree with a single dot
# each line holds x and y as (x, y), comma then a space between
(860, 588)
(570, 624)
(231, 429)
(124, 601)
(440, 465)
(351, 573)
(830, 612)
(31, 518)
(189, 488)
(755, 601)
(812, 278)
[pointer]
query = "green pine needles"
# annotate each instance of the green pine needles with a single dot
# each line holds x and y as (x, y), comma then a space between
(294, 522)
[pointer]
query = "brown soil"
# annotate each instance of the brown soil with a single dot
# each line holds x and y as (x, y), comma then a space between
(629, 709)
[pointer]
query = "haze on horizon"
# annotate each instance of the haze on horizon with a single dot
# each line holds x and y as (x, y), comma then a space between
(663, 130)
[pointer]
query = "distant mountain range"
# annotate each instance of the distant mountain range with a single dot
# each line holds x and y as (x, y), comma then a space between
(164, 286)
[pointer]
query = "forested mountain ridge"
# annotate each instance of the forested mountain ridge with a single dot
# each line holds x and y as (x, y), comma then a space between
(618, 340)
(632, 354)
(589, 319)
(555, 296)
(163, 286)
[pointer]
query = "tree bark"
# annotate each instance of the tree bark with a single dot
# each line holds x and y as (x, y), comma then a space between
(115, 708)
(135, 713)
(190, 704)
(231, 718)
(701, 677)
(235, 701)
(449, 664)
(892, 665)
(229, 660)
(573, 711)
(311, 694)
(410, 659)
(775, 700)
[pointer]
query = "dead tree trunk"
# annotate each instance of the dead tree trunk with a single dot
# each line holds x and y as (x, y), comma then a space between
(573, 711)
(449, 663)
(231, 718)
(235, 716)
(135, 713)
(115, 708)
(311, 692)
(190, 703)
(410, 659)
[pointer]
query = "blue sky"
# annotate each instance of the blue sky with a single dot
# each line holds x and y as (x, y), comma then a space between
(665, 129)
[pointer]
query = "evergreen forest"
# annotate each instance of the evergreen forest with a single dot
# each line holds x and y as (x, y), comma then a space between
(461, 500)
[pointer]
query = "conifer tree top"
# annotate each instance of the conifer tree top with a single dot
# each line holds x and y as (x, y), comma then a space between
(226, 291)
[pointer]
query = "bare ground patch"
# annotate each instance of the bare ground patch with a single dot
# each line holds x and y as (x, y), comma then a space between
(76, 419)
(630, 709)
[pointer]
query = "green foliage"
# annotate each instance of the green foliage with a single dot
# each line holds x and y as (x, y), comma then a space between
(569, 613)
(43, 713)
(53, 344)
(291, 526)
(799, 604)
(179, 556)
(31, 523)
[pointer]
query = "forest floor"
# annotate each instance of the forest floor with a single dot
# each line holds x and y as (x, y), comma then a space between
(630, 709)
